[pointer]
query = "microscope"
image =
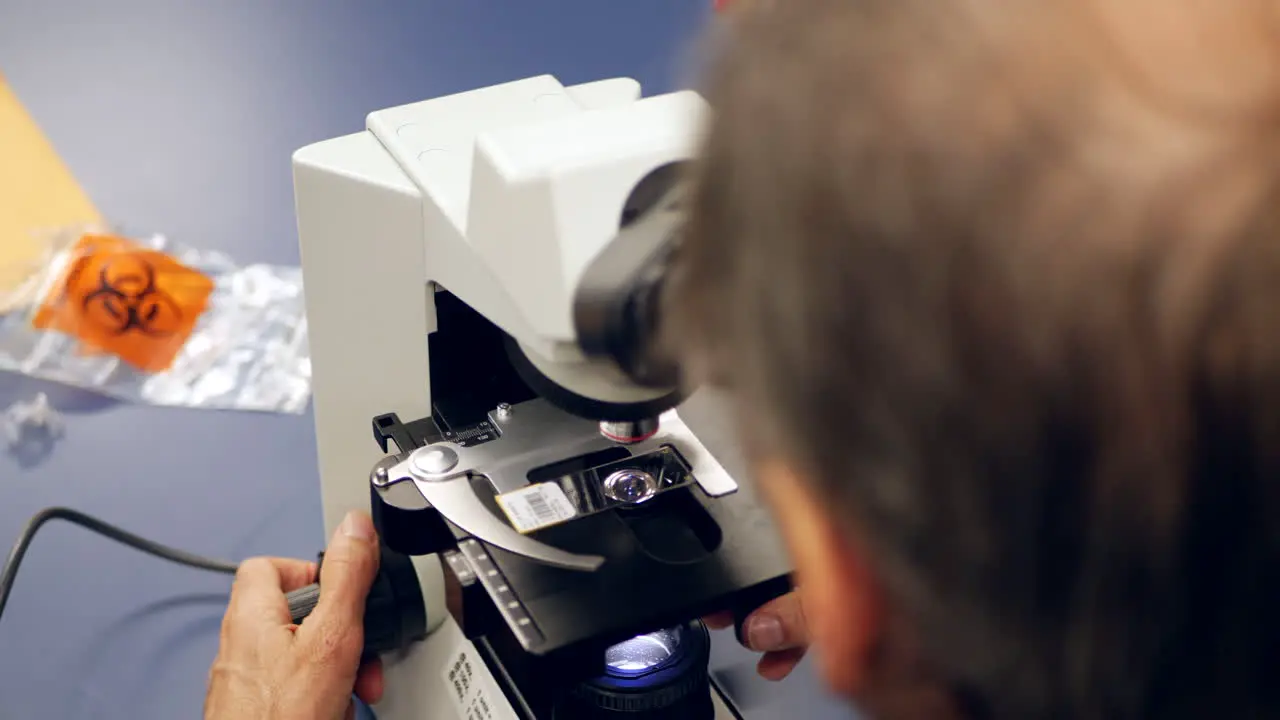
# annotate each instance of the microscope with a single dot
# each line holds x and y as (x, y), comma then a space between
(484, 274)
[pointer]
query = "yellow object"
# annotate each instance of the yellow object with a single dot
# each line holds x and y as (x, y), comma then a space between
(37, 193)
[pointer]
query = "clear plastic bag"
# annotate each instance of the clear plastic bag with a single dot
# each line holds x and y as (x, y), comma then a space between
(241, 346)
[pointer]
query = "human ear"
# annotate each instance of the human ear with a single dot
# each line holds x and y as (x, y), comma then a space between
(841, 596)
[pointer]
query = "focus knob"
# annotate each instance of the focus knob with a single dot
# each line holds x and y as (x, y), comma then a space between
(394, 612)
(302, 601)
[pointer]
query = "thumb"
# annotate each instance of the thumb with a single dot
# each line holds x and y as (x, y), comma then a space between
(336, 626)
(778, 625)
(349, 567)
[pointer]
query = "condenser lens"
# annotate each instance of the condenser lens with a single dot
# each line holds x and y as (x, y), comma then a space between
(643, 653)
(656, 676)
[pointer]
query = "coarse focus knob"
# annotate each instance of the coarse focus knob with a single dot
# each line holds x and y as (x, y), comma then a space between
(302, 601)
(394, 612)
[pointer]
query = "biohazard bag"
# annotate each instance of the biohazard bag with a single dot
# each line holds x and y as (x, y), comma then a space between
(149, 320)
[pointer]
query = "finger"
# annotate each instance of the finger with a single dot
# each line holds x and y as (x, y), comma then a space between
(295, 574)
(371, 682)
(719, 621)
(289, 574)
(778, 625)
(257, 594)
(775, 666)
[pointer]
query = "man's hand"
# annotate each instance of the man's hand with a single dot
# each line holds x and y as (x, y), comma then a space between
(269, 669)
(778, 629)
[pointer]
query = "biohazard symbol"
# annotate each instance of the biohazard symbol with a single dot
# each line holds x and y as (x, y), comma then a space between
(119, 298)
(127, 300)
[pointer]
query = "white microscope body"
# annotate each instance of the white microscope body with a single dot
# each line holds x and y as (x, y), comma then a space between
(502, 196)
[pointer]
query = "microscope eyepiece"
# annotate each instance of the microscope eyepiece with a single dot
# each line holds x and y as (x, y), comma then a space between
(618, 304)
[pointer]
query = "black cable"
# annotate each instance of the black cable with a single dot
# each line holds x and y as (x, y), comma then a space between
(89, 522)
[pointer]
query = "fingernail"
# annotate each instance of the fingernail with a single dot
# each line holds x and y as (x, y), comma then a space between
(357, 525)
(764, 633)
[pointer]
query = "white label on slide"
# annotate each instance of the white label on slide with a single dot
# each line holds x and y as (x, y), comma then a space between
(537, 506)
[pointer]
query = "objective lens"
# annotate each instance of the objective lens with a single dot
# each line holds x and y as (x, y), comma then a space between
(656, 676)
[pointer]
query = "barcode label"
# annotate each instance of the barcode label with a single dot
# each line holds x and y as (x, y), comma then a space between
(537, 506)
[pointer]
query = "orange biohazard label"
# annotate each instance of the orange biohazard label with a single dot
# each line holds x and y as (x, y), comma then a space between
(120, 298)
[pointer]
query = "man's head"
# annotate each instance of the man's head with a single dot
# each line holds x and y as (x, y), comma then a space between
(997, 286)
